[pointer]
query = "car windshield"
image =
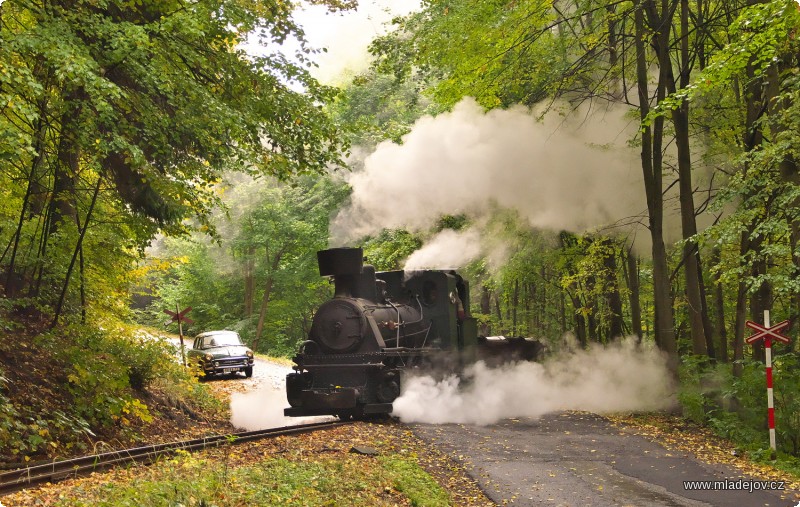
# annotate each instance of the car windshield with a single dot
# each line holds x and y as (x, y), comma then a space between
(221, 340)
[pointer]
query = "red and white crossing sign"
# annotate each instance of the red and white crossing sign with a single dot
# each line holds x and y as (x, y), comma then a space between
(768, 333)
(180, 317)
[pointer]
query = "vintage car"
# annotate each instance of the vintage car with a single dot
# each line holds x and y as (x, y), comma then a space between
(220, 353)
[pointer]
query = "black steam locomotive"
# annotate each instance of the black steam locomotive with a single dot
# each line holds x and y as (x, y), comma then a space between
(377, 325)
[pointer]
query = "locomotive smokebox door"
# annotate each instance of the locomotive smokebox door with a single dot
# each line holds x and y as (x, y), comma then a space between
(340, 261)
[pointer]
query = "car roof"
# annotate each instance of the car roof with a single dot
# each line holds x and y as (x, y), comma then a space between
(213, 333)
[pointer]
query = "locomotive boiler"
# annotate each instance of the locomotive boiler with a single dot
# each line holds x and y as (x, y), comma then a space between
(377, 325)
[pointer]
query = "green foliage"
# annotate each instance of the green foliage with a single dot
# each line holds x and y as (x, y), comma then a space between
(701, 385)
(12, 430)
(270, 232)
(375, 107)
(99, 371)
(97, 381)
(786, 376)
(501, 53)
(388, 250)
(148, 103)
(737, 407)
(761, 38)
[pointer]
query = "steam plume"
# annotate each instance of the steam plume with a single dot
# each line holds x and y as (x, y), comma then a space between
(258, 410)
(619, 377)
(448, 249)
(571, 173)
(262, 409)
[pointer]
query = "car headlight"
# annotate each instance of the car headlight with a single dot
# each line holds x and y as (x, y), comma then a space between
(249, 354)
(208, 357)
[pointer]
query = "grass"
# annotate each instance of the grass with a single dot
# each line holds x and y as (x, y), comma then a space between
(412, 481)
(348, 479)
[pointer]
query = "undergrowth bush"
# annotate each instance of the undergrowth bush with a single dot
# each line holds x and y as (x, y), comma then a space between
(11, 428)
(736, 408)
(87, 382)
(98, 374)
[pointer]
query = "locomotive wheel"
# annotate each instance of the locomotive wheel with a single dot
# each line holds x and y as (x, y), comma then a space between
(296, 383)
(389, 388)
(353, 414)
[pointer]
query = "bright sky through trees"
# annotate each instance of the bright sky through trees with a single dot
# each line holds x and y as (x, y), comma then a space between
(344, 35)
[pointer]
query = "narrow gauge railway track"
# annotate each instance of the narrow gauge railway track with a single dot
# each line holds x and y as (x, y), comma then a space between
(14, 480)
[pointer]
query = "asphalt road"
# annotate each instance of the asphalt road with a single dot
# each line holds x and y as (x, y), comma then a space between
(580, 459)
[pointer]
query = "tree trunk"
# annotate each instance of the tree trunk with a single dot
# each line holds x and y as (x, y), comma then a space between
(741, 313)
(486, 309)
(514, 305)
(580, 321)
(613, 299)
(542, 303)
(262, 314)
(249, 279)
(498, 312)
(32, 177)
(633, 295)
(720, 330)
(529, 293)
(78, 248)
(652, 138)
(691, 266)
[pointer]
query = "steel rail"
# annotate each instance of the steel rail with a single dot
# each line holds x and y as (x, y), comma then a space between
(20, 478)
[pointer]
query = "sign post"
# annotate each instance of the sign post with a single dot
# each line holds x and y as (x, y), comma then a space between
(768, 334)
(180, 317)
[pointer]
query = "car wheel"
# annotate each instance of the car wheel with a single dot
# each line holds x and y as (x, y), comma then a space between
(248, 372)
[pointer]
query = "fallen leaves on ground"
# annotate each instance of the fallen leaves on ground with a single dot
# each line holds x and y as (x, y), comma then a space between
(387, 437)
(677, 434)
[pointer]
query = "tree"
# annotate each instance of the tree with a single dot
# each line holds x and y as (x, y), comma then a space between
(148, 104)
(262, 275)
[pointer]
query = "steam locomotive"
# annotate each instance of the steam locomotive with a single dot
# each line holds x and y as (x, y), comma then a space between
(376, 326)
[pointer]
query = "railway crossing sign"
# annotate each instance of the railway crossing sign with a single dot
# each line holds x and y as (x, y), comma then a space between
(768, 333)
(181, 318)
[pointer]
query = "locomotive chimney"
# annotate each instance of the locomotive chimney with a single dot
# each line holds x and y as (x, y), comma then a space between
(344, 265)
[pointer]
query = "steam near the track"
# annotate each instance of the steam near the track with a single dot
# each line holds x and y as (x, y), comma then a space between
(573, 172)
(263, 409)
(618, 377)
(260, 409)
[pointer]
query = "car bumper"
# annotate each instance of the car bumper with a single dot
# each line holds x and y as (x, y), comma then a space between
(227, 366)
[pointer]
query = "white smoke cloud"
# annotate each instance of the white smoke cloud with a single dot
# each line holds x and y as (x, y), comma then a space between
(574, 172)
(619, 377)
(259, 410)
(263, 409)
(448, 249)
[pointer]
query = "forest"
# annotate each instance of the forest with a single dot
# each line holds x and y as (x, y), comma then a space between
(596, 169)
